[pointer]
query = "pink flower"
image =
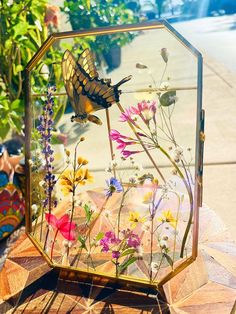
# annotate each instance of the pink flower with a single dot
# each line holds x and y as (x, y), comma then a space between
(115, 135)
(126, 116)
(128, 153)
(147, 109)
(122, 144)
(64, 225)
(134, 110)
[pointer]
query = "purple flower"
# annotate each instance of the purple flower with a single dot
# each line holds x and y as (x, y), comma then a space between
(104, 244)
(133, 240)
(115, 254)
(109, 239)
(113, 186)
(128, 153)
(45, 128)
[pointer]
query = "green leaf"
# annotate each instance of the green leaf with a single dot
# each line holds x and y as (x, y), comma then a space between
(18, 106)
(167, 99)
(99, 236)
(17, 122)
(8, 43)
(15, 104)
(127, 252)
(169, 259)
(82, 240)
(20, 29)
(88, 212)
(127, 263)
(4, 129)
(19, 68)
(33, 35)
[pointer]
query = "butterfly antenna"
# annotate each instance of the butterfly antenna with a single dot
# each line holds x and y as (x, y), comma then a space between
(124, 80)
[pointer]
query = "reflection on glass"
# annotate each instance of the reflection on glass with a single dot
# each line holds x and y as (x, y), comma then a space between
(112, 163)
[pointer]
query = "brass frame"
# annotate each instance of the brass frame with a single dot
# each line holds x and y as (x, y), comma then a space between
(74, 273)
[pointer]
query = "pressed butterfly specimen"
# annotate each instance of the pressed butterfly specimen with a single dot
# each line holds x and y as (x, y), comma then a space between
(86, 91)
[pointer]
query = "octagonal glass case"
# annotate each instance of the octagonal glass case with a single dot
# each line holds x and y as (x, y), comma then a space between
(114, 145)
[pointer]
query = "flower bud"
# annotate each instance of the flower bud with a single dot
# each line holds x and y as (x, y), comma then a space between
(164, 54)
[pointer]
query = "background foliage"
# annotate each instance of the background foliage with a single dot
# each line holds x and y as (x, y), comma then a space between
(22, 32)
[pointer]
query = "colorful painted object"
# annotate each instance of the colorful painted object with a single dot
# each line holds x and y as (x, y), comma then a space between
(12, 205)
(12, 208)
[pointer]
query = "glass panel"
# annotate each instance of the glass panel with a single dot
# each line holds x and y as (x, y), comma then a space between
(112, 192)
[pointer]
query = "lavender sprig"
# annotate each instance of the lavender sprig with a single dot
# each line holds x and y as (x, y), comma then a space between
(45, 129)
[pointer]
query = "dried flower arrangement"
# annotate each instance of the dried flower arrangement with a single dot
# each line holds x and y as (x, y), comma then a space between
(134, 225)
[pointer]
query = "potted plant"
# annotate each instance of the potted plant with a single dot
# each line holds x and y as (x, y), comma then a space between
(88, 14)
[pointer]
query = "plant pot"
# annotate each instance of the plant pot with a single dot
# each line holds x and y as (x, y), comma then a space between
(113, 58)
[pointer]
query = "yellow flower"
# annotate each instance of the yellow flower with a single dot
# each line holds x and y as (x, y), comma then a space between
(69, 180)
(82, 161)
(134, 218)
(148, 197)
(168, 217)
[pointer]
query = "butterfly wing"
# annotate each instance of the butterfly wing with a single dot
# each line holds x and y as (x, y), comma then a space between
(69, 68)
(86, 62)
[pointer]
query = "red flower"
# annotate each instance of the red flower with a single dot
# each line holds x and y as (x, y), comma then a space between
(64, 225)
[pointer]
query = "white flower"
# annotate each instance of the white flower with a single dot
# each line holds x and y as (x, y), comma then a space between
(78, 202)
(154, 266)
(93, 209)
(132, 180)
(164, 237)
(34, 208)
(108, 169)
(68, 211)
(164, 85)
(165, 190)
(115, 163)
(178, 154)
(163, 244)
(67, 243)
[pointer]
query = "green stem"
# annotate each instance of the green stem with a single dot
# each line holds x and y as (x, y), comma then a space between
(177, 219)
(188, 188)
(151, 253)
(119, 213)
(158, 267)
(93, 223)
(73, 193)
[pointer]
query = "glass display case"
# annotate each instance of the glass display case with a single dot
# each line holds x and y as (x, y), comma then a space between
(114, 156)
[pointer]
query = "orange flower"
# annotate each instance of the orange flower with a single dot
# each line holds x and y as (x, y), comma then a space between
(52, 15)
